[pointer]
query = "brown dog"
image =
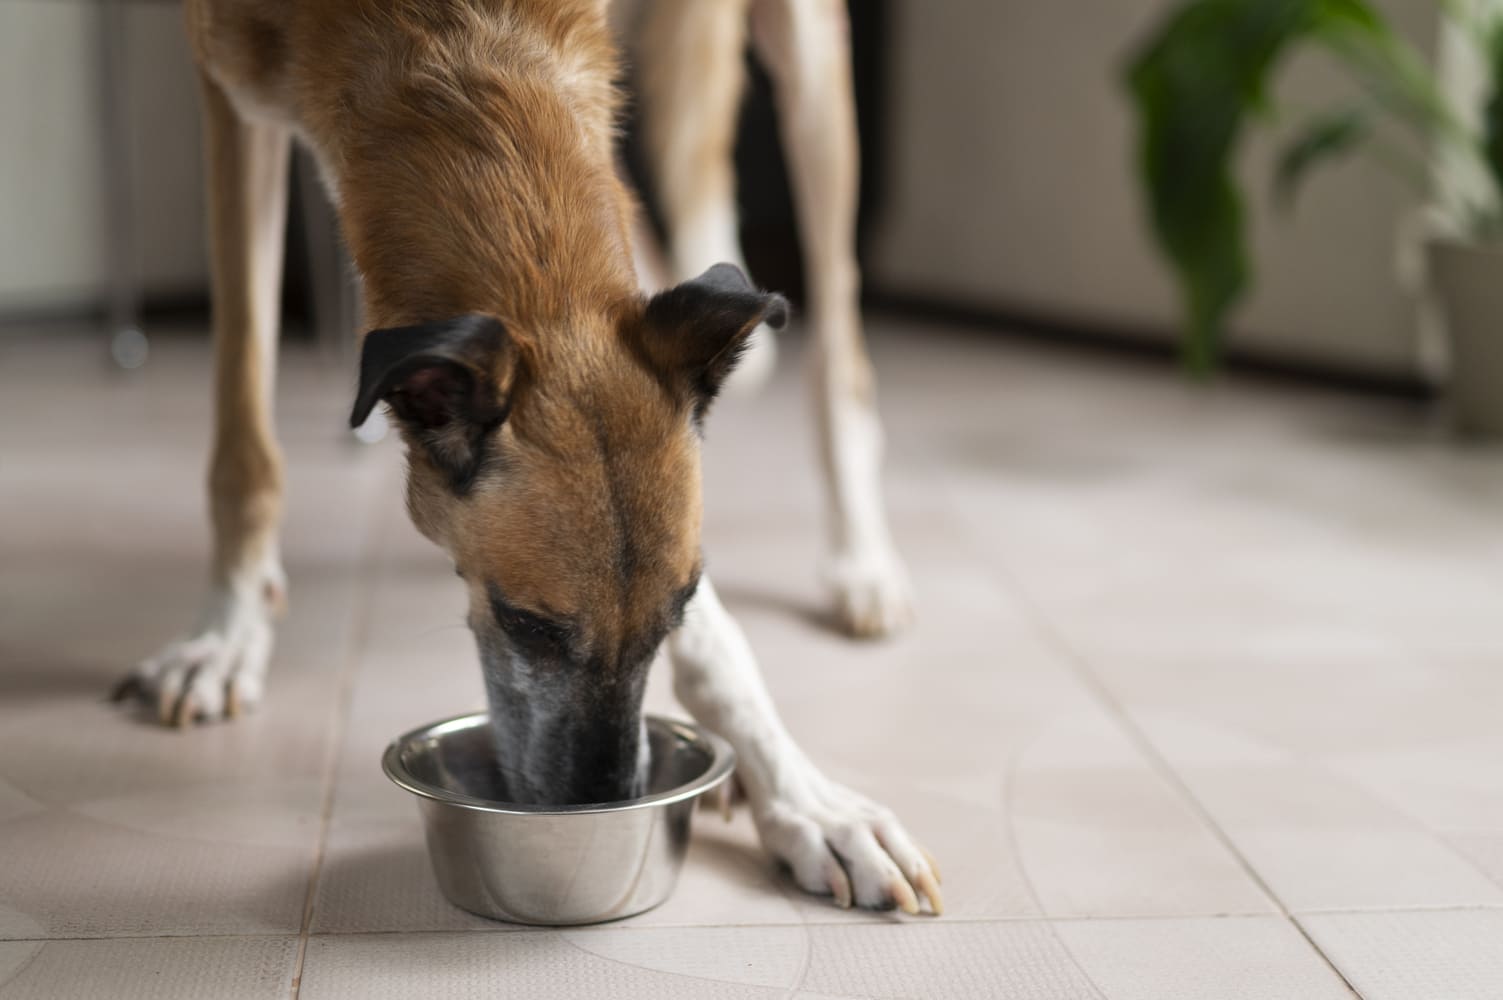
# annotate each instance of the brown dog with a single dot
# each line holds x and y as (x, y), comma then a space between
(551, 410)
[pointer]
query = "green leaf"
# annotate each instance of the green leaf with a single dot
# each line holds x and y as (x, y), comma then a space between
(1193, 85)
(1321, 138)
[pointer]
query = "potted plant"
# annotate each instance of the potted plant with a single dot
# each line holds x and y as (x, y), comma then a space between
(1204, 74)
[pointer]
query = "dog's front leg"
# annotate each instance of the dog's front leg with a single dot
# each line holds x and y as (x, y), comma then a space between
(836, 841)
(220, 668)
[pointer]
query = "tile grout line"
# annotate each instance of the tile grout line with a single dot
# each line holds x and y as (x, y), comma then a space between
(1081, 668)
(625, 927)
(367, 567)
(1009, 786)
(19, 970)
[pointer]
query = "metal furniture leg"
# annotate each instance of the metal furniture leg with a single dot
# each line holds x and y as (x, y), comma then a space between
(127, 343)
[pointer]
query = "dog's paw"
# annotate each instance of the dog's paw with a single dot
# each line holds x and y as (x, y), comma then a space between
(756, 365)
(873, 597)
(840, 844)
(218, 672)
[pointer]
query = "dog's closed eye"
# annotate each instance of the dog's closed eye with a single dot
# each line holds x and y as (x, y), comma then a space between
(531, 631)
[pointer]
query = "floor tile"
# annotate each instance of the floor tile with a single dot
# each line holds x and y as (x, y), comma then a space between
(248, 968)
(956, 961)
(1436, 955)
(1174, 644)
(110, 823)
(1102, 834)
(1235, 958)
(540, 964)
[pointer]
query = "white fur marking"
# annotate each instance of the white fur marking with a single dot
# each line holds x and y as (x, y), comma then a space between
(871, 586)
(835, 841)
(227, 654)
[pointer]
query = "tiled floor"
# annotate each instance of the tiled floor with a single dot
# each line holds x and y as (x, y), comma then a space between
(1205, 701)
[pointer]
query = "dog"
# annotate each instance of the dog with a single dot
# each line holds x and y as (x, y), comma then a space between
(551, 409)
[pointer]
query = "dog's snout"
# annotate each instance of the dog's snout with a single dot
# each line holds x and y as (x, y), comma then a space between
(627, 783)
(577, 775)
(563, 737)
(606, 763)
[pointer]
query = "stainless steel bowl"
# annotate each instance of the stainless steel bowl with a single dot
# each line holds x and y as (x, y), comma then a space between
(561, 865)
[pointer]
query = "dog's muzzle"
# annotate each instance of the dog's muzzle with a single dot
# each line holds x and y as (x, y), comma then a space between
(565, 735)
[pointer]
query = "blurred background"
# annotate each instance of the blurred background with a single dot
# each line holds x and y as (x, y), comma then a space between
(998, 187)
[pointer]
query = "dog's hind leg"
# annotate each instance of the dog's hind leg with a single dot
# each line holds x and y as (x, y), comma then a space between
(835, 841)
(805, 46)
(692, 55)
(220, 669)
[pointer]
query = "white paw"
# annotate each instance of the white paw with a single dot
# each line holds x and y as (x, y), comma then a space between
(838, 843)
(219, 671)
(756, 365)
(873, 597)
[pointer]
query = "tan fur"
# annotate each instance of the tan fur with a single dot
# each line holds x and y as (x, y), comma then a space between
(692, 80)
(247, 209)
(613, 482)
(470, 147)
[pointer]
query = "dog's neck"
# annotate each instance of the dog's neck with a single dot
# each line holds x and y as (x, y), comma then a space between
(477, 176)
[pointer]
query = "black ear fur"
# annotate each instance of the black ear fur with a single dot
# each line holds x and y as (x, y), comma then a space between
(700, 328)
(443, 383)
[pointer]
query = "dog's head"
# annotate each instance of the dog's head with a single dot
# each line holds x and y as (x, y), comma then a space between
(560, 471)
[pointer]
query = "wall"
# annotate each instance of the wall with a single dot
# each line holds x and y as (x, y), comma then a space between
(51, 173)
(1011, 188)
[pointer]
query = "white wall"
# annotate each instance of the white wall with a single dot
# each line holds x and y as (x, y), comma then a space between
(52, 157)
(1012, 187)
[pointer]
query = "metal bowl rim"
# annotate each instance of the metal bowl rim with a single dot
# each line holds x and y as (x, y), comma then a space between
(722, 762)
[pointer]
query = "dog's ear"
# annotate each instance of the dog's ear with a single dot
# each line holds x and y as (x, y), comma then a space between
(699, 329)
(449, 384)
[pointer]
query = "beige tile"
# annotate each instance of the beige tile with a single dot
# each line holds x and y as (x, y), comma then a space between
(1292, 594)
(1329, 870)
(727, 880)
(18, 926)
(1324, 843)
(250, 968)
(1453, 785)
(1066, 834)
(15, 803)
(1483, 848)
(1437, 955)
(946, 723)
(15, 956)
(1233, 958)
(111, 824)
(959, 960)
(1332, 759)
(1306, 689)
(1001, 764)
(417, 664)
(206, 830)
(378, 878)
(774, 957)
(72, 876)
(1100, 833)
(538, 964)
